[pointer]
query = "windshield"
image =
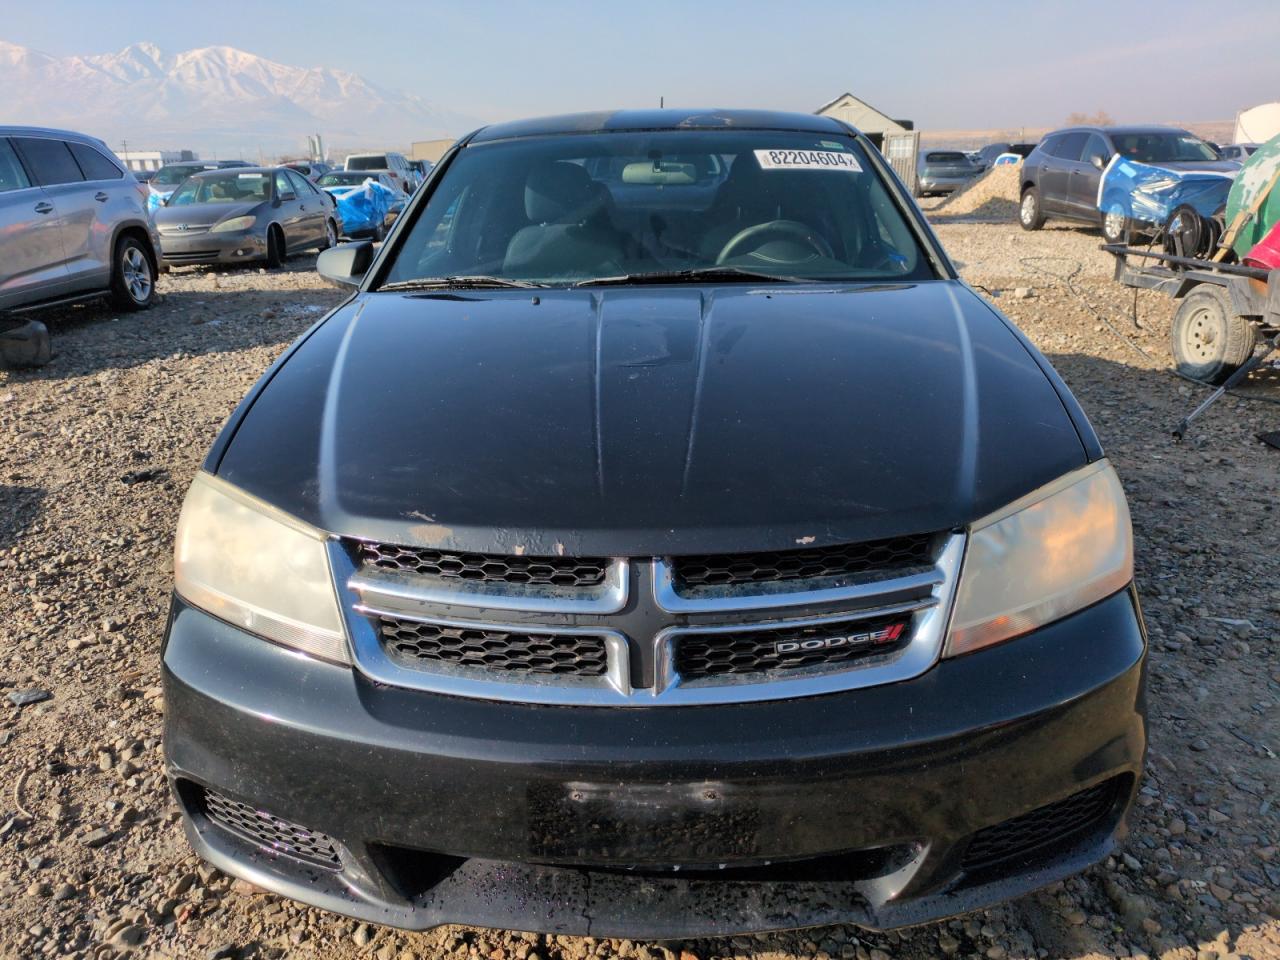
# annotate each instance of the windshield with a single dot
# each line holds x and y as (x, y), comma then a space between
(174, 175)
(371, 162)
(571, 208)
(1163, 147)
(223, 188)
(344, 179)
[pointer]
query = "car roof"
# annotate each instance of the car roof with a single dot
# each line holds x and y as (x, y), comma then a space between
(239, 170)
(11, 130)
(1125, 130)
(670, 119)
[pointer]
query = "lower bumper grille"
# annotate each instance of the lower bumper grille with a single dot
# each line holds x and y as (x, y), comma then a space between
(1045, 826)
(561, 654)
(192, 256)
(764, 651)
(271, 832)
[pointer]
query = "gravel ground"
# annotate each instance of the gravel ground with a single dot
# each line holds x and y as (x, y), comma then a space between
(100, 445)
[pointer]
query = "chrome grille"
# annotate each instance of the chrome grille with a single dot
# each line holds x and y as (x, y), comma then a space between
(569, 654)
(492, 568)
(626, 633)
(271, 832)
(787, 648)
(852, 559)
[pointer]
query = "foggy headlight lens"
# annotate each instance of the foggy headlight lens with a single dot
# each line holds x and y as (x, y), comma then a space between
(233, 225)
(1045, 556)
(257, 568)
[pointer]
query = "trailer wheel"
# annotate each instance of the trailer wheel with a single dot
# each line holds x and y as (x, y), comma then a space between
(1210, 341)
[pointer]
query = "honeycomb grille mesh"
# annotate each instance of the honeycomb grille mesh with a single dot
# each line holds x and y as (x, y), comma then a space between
(872, 556)
(491, 568)
(1043, 826)
(271, 832)
(762, 651)
(562, 654)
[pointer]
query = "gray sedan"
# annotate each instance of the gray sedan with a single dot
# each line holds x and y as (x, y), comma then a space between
(244, 215)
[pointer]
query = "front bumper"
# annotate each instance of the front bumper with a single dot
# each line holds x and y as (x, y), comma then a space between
(209, 247)
(853, 807)
(943, 184)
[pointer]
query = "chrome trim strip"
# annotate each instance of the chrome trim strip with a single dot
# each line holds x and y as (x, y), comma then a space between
(759, 596)
(409, 594)
(929, 628)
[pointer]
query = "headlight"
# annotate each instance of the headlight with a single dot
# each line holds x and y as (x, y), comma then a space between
(234, 224)
(257, 568)
(1055, 551)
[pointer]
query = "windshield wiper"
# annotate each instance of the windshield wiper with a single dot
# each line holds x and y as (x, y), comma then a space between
(475, 282)
(695, 275)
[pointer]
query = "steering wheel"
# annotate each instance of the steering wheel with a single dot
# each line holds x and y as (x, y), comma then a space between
(789, 229)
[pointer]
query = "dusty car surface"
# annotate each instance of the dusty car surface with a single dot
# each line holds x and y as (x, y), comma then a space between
(613, 563)
(245, 215)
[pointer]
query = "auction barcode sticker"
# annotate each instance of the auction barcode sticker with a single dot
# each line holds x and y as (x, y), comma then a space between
(807, 160)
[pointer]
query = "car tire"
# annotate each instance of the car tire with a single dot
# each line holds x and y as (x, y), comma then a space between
(330, 235)
(275, 247)
(1210, 340)
(1117, 227)
(1030, 216)
(133, 275)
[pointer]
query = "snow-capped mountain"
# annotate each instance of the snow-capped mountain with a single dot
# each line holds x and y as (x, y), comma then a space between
(215, 99)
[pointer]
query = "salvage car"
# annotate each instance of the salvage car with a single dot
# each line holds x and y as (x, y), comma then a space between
(945, 171)
(617, 567)
(370, 219)
(245, 215)
(73, 223)
(1061, 176)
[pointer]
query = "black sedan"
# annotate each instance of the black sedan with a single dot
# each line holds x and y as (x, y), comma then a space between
(245, 215)
(609, 565)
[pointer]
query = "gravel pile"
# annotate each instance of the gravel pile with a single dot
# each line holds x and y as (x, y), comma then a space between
(992, 196)
(98, 449)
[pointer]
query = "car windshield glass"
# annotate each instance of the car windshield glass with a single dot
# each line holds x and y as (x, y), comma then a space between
(344, 179)
(1163, 147)
(570, 208)
(945, 156)
(173, 175)
(223, 188)
(367, 163)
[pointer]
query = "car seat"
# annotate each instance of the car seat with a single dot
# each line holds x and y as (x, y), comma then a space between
(570, 233)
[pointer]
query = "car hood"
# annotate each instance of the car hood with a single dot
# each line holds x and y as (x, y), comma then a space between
(1204, 166)
(196, 215)
(653, 420)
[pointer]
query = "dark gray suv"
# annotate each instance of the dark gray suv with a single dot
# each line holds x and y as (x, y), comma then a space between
(73, 222)
(1061, 176)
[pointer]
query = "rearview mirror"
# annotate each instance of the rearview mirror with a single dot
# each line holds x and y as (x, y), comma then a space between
(346, 264)
(1097, 161)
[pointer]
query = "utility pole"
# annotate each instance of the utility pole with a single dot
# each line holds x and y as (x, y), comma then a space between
(662, 102)
(124, 151)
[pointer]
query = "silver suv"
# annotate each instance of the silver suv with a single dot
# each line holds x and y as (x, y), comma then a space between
(73, 223)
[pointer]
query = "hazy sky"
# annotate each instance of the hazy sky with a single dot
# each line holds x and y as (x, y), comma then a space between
(953, 65)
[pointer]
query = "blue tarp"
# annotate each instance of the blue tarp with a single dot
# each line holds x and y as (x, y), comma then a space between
(1150, 193)
(361, 208)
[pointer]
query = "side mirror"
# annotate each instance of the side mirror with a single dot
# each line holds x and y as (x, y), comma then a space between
(346, 264)
(1098, 162)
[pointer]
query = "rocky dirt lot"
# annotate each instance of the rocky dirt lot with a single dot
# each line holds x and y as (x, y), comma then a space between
(98, 449)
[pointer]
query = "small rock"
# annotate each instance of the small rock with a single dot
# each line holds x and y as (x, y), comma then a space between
(38, 889)
(129, 936)
(23, 698)
(362, 936)
(225, 951)
(1199, 744)
(1022, 293)
(96, 838)
(948, 945)
(65, 891)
